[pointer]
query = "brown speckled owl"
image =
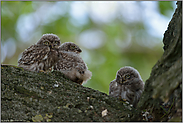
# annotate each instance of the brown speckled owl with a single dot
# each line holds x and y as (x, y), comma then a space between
(42, 55)
(71, 64)
(128, 85)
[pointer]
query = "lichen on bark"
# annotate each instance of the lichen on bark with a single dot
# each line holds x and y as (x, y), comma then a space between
(30, 96)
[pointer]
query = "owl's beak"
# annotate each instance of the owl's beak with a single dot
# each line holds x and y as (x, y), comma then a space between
(123, 80)
(79, 50)
(51, 46)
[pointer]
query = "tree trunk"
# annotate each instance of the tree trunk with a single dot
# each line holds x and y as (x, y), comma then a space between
(31, 96)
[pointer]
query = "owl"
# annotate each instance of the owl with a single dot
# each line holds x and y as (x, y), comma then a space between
(42, 55)
(71, 64)
(128, 85)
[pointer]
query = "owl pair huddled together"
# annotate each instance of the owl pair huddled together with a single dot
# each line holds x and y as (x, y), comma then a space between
(48, 53)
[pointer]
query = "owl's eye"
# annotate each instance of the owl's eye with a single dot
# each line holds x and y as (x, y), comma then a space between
(46, 43)
(127, 76)
(72, 47)
(56, 42)
(118, 76)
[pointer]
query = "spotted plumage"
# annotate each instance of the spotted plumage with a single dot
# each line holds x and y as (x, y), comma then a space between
(128, 85)
(71, 64)
(42, 55)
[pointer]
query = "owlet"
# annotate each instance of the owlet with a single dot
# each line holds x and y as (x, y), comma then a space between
(71, 64)
(42, 55)
(128, 85)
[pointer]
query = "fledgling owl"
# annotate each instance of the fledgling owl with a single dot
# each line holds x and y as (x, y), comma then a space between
(127, 85)
(42, 55)
(71, 64)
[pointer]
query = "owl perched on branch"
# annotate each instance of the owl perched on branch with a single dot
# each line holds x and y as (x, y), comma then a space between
(71, 64)
(42, 55)
(128, 85)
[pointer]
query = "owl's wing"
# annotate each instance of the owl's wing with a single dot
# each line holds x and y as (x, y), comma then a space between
(70, 56)
(69, 60)
(137, 84)
(33, 54)
(135, 89)
(64, 65)
(114, 89)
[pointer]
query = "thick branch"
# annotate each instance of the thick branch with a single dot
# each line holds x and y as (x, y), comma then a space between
(30, 96)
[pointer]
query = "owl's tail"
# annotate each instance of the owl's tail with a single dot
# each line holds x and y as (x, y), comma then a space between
(87, 75)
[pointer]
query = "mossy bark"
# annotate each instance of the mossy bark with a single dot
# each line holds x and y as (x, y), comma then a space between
(162, 96)
(32, 96)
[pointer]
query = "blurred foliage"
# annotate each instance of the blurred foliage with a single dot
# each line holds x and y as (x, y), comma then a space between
(165, 7)
(117, 42)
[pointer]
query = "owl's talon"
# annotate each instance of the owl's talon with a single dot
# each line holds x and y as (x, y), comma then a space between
(50, 69)
(124, 100)
(47, 71)
(42, 71)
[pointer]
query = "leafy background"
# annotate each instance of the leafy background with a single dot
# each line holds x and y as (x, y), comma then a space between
(111, 34)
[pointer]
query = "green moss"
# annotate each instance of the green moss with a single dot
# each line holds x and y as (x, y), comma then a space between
(37, 93)
(25, 92)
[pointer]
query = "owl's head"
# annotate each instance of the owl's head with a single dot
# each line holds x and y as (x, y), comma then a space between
(70, 47)
(50, 40)
(126, 74)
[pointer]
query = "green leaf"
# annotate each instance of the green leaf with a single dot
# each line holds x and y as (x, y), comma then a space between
(165, 7)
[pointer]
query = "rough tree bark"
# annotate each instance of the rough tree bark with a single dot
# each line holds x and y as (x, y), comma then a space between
(31, 96)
